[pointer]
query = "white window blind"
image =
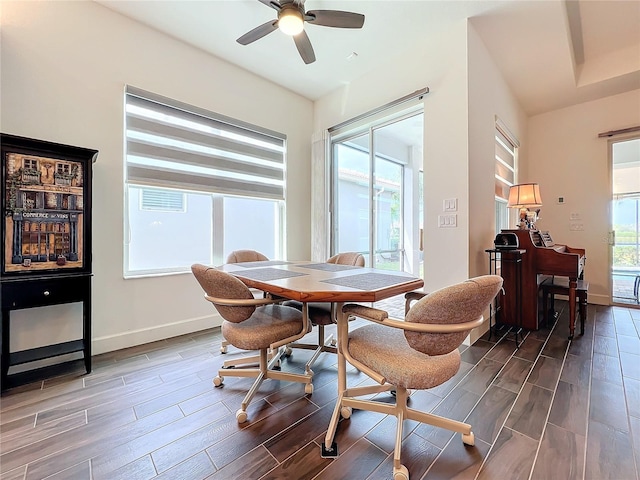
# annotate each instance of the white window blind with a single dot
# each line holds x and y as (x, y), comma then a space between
(506, 152)
(505, 165)
(163, 200)
(174, 145)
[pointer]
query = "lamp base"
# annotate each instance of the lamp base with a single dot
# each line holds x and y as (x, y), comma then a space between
(528, 219)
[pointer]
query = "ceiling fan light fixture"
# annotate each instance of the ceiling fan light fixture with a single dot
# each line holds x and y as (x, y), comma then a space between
(290, 21)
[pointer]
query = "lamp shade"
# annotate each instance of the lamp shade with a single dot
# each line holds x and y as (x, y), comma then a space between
(525, 195)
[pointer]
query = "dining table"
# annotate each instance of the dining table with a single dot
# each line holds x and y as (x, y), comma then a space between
(308, 281)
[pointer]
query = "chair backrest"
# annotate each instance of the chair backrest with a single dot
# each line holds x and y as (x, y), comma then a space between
(348, 258)
(239, 256)
(459, 303)
(219, 284)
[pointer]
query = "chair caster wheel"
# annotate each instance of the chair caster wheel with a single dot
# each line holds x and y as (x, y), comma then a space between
(223, 349)
(469, 439)
(308, 372)
(334, 342)
(345, 412)
(217, 381)
(401, 473)
(241, 416)
(308, 388)
(288, 351)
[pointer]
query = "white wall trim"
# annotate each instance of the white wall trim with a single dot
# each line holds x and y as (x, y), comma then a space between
(109, 343)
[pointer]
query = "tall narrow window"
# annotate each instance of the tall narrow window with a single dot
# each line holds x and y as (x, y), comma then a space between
(193, 178)
(506, 148)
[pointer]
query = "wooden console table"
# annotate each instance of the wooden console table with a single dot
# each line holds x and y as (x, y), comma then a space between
(23, 293)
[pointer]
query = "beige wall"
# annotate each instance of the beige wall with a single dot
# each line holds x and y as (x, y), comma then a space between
(569, 160)
(467, 92)
(441, 66)
(489, 98)
(64, 68)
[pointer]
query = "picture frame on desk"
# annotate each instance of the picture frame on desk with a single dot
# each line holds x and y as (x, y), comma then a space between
(46, 207)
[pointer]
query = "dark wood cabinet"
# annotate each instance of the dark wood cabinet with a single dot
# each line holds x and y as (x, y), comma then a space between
(46, 239)
(29, 292)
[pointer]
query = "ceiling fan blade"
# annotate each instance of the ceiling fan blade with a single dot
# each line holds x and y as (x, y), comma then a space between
(258, 32)
(271, 3)
(303, 44)
(335, 18)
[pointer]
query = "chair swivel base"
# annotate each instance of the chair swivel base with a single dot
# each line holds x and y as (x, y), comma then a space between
(265, 371)
(347, 401)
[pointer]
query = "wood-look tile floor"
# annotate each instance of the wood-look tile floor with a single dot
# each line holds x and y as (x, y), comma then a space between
(553, 409)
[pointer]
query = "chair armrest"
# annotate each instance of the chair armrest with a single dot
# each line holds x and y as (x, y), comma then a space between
(415, 295)
(412, 297)
(242, 302)
(369, 313)
(382, 317)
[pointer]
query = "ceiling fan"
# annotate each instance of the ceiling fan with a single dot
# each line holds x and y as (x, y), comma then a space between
(291, 18)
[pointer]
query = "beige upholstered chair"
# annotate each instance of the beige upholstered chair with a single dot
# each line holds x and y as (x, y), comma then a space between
(420, 352)
(252, 324)
(239, 256)
(348, 258)
(322, 314)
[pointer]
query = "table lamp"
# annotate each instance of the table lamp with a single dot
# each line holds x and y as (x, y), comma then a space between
(525, 196)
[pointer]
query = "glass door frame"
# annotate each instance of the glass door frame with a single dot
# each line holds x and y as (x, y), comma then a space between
(370, 129)
(632, 278)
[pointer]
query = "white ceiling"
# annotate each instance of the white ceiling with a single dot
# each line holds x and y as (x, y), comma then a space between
(552, 53)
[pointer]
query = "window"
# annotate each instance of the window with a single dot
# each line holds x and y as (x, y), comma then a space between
(30, 164)
(506, 148)
(198, 186)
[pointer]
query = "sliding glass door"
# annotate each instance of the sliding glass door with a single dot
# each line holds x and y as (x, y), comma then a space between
(352, 204)
(625, 220)
(374, 175)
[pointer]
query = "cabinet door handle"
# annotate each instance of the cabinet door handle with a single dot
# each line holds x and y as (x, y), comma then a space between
(46, 293)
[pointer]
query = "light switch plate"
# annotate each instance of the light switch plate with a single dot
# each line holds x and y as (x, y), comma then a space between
(450, 205)
(447, 221)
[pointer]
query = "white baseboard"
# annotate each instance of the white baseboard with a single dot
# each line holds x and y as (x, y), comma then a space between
(110, 343)
(138, 337)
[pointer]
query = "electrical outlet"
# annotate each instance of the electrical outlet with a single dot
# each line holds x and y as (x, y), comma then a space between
(576, 226)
